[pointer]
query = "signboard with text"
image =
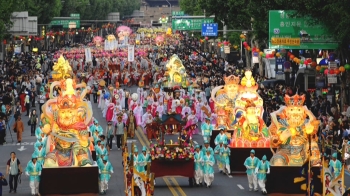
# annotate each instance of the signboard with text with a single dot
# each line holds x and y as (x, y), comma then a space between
(66, 23)
(287, 31)
(178, 13)
(190, 24)
(210, 29)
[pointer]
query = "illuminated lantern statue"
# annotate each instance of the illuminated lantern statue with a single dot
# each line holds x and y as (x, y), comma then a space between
(289, 132)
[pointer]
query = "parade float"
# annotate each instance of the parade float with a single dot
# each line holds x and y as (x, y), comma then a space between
(175, 75)
(65, 121)
(293, 132)
(240, 109)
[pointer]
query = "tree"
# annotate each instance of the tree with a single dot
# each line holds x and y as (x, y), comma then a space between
(191, 7)
(45, 10)
(7, 7)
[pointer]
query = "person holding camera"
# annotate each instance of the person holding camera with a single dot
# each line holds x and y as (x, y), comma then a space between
(13, 169)
(3, 182)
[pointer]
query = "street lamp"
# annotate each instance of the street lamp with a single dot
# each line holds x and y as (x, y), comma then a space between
(171, 11)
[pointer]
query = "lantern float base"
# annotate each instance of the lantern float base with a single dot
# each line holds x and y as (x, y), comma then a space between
(281, 180)
(239, 155)
(69, 181)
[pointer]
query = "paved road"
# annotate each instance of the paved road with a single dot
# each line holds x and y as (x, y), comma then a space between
(169, 186)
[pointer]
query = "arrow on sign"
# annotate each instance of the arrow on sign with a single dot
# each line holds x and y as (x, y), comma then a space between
(22, 148)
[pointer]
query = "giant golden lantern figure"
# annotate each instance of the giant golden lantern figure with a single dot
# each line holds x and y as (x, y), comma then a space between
(176, 73)
(65, 119)
(240, 108)
(289, 132)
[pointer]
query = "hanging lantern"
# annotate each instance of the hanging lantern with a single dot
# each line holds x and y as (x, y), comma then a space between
(336, 71)
(325, 71)
(331, 71)
(318, 68)
(347, 67)
(313, 64)
(291, 57)
(342, 69)
(261, 53)
(278, 54)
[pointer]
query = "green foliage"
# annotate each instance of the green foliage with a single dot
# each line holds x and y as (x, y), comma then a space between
(45, 10)
(6, 8)
(191, 7)
(99, 9)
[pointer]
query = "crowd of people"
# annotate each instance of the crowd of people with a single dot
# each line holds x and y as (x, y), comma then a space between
(24, 86)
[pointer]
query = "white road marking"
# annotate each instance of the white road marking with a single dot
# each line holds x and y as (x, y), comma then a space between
(195, 142)
(131, 141)
(240, 186)
(25, 143)
(31, 143)
(22, 148)
(18, 144)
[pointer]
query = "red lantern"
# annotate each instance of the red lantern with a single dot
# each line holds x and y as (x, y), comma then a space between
(337, 71)
(313, 64)
(331, 71)
(291, 57)
(245, 43)
(206, 38)
(326, 71)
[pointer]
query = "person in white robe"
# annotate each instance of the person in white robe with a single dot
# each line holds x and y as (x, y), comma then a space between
(138, 112)
(122, 97)
(160, 110)
(185, 110)
(140, 93)
(104, 111)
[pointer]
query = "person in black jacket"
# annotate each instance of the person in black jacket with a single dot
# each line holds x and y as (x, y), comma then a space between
(3, 182)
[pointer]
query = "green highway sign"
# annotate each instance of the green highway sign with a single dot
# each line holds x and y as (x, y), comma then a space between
(66, 23)
(190, 24)
(289, 32)
(75, 16)
(178, 13)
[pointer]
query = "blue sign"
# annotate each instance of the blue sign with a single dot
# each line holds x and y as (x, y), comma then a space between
(210, 29)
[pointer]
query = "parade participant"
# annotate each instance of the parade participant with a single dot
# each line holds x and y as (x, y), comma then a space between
(144, 158)
(199, 111)
(105, 169)
(97, 127)
(139, 91)
(122, 97)
(145, 117)
(178, 107)
(154, 108)
(198, 168)
(208, 169)
(218, 156)
(101, 150)
(336, 165)
(261, 170)
(101, 100)
(38, 130)
(125, 116)
(160, 110)
(131, 124)
(251, 163)
(221, 136)
(185, 110)
(95, 91)
(110, 111)
(206, 111)
(40, 153)
(110, 134)
(225, 159)
(207, 147)
(119, 130)
(207, 130)
(138, 111)
(33, 170)
(149, 129)
(106, 105)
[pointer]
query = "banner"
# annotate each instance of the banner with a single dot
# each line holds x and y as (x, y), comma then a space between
(107, 45)
(131, 54)
(88, 57)
(332, 184)
(126, 41)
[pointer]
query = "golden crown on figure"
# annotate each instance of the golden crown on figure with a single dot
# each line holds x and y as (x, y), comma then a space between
(295, 100)
(231, 80)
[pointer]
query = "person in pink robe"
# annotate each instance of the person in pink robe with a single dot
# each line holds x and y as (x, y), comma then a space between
(109, 113)
(170, 103)
(154, 108)
(138, 112)
(178, 109)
